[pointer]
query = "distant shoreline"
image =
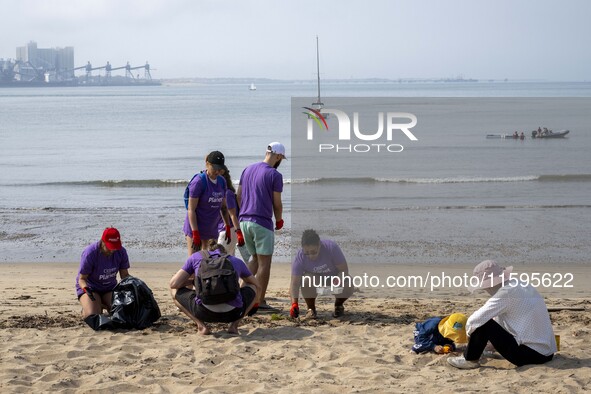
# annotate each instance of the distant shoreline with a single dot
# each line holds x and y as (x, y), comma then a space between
(246, 80)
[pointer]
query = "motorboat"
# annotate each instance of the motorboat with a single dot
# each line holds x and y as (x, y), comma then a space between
(534, 134)
(549, 134)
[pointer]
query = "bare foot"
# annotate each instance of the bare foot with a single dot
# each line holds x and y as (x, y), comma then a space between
(203, 330)
(233, 328)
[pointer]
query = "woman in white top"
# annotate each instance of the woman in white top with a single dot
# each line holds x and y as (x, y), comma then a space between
(515, 320)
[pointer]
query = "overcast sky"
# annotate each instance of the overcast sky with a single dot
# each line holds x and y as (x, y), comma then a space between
(515, 39)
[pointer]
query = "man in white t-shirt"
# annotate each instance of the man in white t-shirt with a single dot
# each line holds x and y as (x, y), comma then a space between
(515, 320)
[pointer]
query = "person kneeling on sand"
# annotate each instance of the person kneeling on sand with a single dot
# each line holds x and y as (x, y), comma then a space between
(515, 320)
(440, 335)
(187, 299)
(316, 261)
(97, 275)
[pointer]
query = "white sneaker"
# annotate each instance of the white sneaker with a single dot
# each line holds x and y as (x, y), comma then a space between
(462, 363)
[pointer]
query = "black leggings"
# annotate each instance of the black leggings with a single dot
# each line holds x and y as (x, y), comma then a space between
(504, 343)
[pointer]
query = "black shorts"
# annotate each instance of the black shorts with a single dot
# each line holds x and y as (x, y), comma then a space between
(96, 293)
(310, 291)
(186, 298)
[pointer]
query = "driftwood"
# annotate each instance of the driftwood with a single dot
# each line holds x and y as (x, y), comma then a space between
(565, 308)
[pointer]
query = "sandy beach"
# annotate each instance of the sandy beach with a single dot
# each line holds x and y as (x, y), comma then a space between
(47, 347)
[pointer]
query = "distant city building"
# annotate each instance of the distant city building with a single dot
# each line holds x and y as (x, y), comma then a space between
(46, 63)
(34, 66)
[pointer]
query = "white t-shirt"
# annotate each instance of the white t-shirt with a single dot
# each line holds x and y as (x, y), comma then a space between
(522, 312)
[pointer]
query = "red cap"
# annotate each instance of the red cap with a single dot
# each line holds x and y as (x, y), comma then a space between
(111, 238)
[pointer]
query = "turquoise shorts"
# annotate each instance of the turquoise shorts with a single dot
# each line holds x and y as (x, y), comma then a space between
(258, 239)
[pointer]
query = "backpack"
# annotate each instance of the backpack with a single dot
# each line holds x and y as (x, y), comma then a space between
(133, 304)
(216, 281)
(203, 182)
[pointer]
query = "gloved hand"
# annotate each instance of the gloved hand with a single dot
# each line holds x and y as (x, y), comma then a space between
(196, 239)
(279, 225)
(253, 310)
(295, 310)
(240, 237)
(228, 235)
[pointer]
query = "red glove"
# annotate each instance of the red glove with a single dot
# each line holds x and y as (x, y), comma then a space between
(253, 310)
(196, 240)
(240, 237)
(228, 235)
(295, 310)
(279, 225)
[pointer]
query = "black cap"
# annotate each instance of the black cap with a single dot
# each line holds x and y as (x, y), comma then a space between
(216, 159)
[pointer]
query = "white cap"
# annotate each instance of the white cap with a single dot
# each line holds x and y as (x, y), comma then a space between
(277, 148)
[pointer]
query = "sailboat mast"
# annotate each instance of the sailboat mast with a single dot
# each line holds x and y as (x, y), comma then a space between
(318, 68)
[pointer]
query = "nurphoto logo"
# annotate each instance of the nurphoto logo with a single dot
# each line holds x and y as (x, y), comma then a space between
(380, 140)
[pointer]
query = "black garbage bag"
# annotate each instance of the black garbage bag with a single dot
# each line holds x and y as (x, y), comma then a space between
(99, 322)
(133, 304)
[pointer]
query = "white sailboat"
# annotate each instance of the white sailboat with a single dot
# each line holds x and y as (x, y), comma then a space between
(318, 105)
(252, 87)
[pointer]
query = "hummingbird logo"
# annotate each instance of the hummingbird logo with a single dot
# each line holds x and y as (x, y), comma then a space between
(317, 116)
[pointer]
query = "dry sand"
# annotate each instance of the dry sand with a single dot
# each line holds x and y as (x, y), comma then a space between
(47, 348)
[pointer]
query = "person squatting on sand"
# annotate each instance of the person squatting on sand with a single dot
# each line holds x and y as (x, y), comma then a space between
(97, 275)
(316, 260)
(232, 206)
(207, 203)
(440, 335)
(515, 320)
(186, 298)
(259, 198)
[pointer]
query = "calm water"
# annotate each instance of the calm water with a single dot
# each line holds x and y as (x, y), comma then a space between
(74, 160)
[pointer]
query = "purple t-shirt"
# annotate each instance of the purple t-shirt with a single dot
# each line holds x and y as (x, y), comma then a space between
(101, 270)
(191, 266)
(258, 182)
(329, 257)
(208, 208)
(230, 204)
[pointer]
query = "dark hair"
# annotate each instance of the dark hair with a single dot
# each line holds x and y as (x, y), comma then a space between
(310, 237)
(228, 179)
(213, 245)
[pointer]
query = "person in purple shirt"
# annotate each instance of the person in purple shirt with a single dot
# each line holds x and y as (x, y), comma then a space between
(183, 293)
(207, 203)
(259, 198)
(319, 261)
(97, 276)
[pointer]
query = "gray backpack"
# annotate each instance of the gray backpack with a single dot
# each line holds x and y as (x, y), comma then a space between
(216, 281)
